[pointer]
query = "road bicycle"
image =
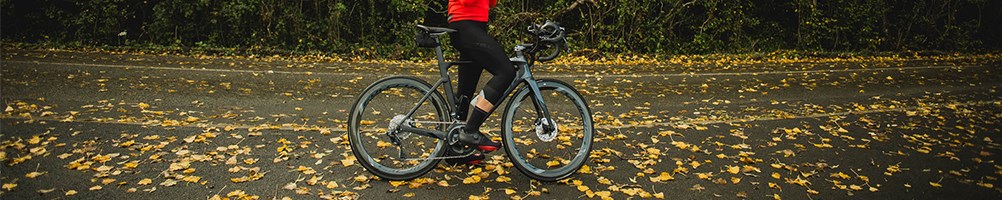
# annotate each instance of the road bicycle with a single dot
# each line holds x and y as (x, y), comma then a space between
(401, 127)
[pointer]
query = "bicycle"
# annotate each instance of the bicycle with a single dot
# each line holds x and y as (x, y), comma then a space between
(426, 132)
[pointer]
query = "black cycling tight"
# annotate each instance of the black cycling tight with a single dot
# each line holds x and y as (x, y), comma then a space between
(474, 44)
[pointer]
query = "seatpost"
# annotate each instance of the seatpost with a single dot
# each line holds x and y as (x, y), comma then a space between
(438, 54)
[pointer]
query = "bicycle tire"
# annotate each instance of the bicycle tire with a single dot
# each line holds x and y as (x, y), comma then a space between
(358, 109)
(508, 136)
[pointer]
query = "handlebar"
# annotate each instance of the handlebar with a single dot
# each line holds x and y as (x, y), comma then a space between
(550, 34)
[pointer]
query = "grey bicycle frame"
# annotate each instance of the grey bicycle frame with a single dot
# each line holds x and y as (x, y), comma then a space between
(523, 74)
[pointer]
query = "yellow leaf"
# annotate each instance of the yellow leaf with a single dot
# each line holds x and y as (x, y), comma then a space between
(583, 188)
(127, 143)
(9, 186)
(703, 176)
(397, 183)
(471, 180)
(409, 194)
(361, 178)
(509, 191)
(855, 187)
(775, 175)
(192, 179)
(774, 185)
(935, 184)
(664, 176)
(96, 187)
(348, 161)
(840, 175)
(71, 192)
(34, 140)
(145, 181)
(733, 169)
(585, 170)
(34, 174)
(131, 165)
(604, 181)
(604, 194)
(813, 192)
(236, 193)
(552, 163)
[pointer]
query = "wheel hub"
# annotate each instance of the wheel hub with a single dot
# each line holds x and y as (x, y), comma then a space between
(542, 125)
(395, 125)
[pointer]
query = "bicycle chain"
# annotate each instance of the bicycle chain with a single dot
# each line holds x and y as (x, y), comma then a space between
(435, 122)
(445, 157)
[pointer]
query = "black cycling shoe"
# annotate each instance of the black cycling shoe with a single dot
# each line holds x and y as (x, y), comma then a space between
(472, 159)
(479, 140)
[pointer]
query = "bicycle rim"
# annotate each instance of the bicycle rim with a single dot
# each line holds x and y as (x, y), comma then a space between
(567, 151)
(371, 117)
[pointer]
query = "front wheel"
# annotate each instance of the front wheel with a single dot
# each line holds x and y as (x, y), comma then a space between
(541, 155)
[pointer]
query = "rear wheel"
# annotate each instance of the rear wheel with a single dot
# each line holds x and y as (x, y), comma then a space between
(548, 156)
(382, 106)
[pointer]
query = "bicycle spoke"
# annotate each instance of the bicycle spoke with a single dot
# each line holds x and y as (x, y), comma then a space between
(375, 133)
(549, 155)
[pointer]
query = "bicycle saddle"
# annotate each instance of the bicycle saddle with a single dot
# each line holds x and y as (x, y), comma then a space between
(434, 30)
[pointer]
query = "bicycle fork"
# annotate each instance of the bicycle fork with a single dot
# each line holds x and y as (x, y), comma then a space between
(542, 112)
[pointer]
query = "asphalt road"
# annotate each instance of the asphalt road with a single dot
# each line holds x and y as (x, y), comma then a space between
(97, 125)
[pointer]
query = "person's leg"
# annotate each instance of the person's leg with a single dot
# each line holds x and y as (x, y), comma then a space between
(469, 77)
(484, 50)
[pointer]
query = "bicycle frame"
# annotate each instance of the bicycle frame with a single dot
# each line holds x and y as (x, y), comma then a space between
(523, 75)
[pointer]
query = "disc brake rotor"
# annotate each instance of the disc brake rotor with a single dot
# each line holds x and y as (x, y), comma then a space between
(541, 131)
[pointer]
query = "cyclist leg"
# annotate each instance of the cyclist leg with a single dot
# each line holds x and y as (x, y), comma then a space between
(486, 52)
(469, 77)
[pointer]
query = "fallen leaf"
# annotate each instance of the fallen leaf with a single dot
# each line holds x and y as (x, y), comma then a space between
(145, 181)
(9, 186)
(34, 174)
(733, 169)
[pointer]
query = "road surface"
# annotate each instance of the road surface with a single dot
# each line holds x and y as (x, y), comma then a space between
(122, 126)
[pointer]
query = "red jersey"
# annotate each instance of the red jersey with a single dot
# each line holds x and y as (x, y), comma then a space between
(476, 10)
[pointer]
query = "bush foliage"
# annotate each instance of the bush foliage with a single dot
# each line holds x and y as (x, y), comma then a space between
(384, 27)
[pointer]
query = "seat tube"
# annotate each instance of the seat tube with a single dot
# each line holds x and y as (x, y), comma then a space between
(443, 68)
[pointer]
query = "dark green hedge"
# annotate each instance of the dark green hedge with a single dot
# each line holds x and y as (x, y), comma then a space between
(383, 27)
